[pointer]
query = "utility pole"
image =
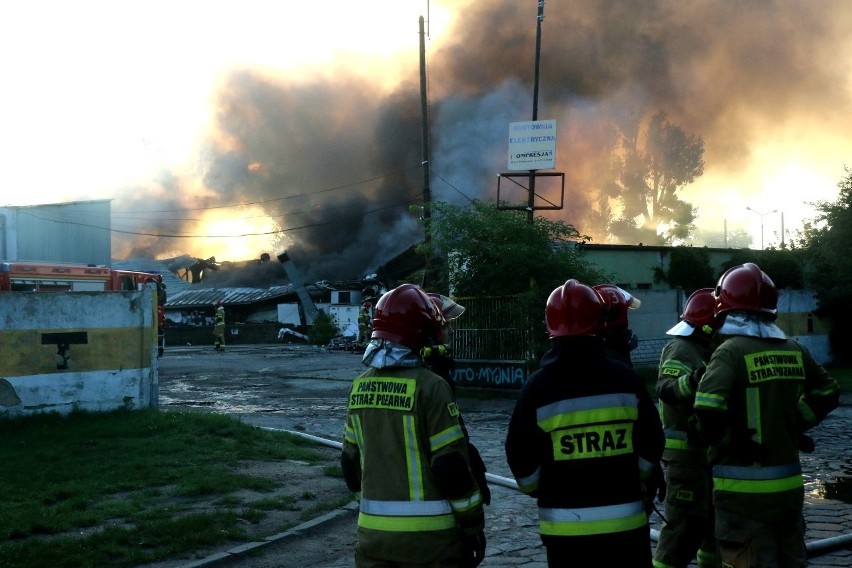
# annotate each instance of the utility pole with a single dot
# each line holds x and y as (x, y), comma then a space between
(427, 193)
(540, 17)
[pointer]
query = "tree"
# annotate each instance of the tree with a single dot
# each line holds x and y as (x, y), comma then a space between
(689, 268)
(651, 170)
(828, 242)
(492, 252)
(783, 266)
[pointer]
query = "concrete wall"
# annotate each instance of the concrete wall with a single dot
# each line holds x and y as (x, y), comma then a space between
(110, 361)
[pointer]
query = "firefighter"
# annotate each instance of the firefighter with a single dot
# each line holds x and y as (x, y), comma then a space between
(759, 395)
(404, 451)
(688, 529)
(440, 361)
(618, 338)
(364, 323)
(584, 439)
(219, 327)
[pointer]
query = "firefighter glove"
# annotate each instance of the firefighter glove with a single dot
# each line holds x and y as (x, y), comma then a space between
(474, 549)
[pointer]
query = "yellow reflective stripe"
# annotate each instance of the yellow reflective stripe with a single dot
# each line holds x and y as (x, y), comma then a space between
(758, 485)
(673, 444)
(460, 505)
(658, 564)
(348, 434)
(710, 401)
(646, 468)
(358, 432)
(448, 436)
(406, 524)
(412, 458)
(753, 412)
(529, 483)
(591, 416)
(592, 520)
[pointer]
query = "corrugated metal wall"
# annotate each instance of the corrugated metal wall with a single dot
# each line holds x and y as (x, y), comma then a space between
(65, 232)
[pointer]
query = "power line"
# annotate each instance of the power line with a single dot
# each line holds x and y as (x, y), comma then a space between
(263, 201)
(415, 199)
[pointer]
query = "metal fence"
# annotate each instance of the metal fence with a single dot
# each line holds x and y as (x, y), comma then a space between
(492, 329)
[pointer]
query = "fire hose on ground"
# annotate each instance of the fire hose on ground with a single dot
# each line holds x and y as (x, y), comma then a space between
(813, 548)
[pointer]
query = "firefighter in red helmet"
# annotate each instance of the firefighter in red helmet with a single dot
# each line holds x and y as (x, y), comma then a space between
(759, 395)
(584, 439)
(615, 328)
(688, 530)
(404, 450)
(439, 360)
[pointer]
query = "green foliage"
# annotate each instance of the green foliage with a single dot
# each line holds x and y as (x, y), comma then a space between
(324, 329)
(784, 266)
(493, 252)
(829, 242)
(689, 268)
(141, 470)
(650, 171)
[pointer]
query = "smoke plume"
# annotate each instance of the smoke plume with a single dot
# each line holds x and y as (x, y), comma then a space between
(335, 159)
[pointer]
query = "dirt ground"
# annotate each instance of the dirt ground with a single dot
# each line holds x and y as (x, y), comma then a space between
(297, 388)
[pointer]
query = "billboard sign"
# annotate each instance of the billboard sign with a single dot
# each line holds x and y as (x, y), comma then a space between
(532, 145)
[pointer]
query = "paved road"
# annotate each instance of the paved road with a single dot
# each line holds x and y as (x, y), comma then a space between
(304, 389)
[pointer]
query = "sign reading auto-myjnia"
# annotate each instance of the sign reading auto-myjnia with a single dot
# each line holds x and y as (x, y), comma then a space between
(532, 145)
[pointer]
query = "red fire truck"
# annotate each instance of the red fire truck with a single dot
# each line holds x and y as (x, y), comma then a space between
(62, 277)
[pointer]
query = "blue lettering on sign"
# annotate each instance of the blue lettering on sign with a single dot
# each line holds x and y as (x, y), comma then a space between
(489, 375)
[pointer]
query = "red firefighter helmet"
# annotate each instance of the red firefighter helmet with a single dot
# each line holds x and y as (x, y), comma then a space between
(616, 302)
(573, 309)
(748, 288)
(700, 311)
(406, 315)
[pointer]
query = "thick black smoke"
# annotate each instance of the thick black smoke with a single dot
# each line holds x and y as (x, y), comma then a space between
(336, 160)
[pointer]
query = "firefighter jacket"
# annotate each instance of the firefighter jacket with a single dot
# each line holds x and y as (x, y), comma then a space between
(219, 318)
(676, 389)
(756, 398)
(582, 437)
(405, 451)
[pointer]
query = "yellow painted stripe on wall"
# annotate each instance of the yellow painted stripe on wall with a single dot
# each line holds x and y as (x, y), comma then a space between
(22, 352)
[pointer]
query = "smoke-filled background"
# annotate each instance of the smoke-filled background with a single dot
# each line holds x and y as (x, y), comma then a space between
(325, 160)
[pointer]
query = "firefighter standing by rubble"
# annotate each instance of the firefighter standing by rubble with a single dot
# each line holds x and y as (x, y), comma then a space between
(404, 451)
(759, 395)
(364, 323)
(688, 529)
(219, 327)
(439, 360)
(584, 439)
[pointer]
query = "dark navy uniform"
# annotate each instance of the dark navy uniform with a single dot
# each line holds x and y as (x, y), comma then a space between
(582, 438)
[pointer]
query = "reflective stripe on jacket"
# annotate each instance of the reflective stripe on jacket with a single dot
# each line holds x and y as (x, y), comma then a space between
(583, 434)
(399, 421)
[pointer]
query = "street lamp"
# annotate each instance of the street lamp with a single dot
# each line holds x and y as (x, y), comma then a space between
(762, 215)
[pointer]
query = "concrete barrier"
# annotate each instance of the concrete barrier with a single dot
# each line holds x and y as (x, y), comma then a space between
(67, 351)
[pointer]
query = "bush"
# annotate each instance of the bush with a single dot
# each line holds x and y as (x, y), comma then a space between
(324, 329)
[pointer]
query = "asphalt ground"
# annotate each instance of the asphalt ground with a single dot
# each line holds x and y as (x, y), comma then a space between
(314, 403)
